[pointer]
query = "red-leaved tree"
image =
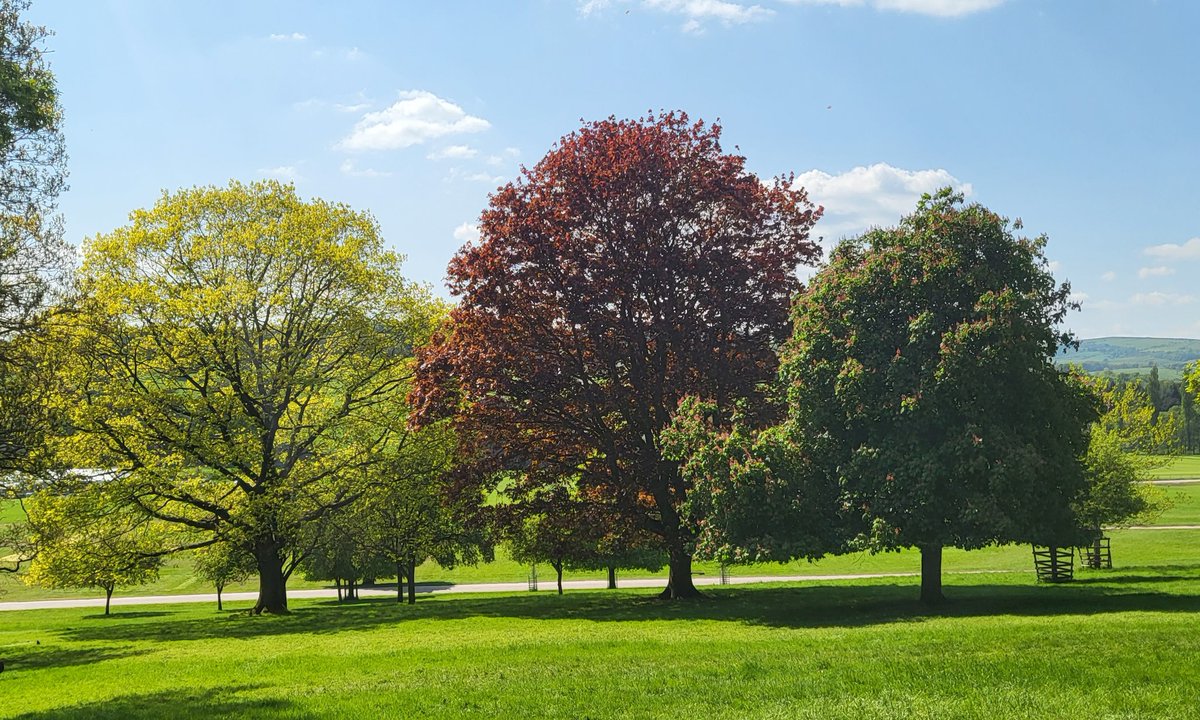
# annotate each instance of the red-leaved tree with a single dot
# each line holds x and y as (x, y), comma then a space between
(636, 264)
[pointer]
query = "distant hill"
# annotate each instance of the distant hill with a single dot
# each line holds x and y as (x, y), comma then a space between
(1133, 356)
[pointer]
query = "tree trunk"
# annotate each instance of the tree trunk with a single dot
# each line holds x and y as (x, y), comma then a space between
(612, 578)
(679, 579)
(412, 581)
(220, 587)
(558, 567)
(108, 591)
(399, 582)
(272, 585)
(931, 574)
(337, 585)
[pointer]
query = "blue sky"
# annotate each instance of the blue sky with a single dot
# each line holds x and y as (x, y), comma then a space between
(1081, 117)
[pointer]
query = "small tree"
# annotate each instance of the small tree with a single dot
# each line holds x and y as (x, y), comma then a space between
(223, 563)
(84, 539)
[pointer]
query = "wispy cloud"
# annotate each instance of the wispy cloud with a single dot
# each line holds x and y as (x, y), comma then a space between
(418, 117)
(455, 152)
(1158, 271)
(1190, 250)
(935, 8)
(1157, 299)
(729, 12)
(283, 172)
(288, 37)
(348, 168)
(1109, 276)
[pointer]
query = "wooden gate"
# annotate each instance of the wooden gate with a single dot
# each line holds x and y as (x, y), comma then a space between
(1054, 564)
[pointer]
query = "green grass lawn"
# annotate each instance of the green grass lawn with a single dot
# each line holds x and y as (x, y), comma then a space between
(1184, 505)
(1182, 467)
(1119, 644)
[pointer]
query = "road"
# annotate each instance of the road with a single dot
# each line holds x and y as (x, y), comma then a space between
(428, 589)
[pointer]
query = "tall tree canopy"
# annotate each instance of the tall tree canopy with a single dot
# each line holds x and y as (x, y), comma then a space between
(921, 378)
(33, 256)
(635, 264)
(239, 363)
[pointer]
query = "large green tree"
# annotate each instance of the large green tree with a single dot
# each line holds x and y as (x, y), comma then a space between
(635, 264)
(239, 363)
(33, 257)
(920, 378)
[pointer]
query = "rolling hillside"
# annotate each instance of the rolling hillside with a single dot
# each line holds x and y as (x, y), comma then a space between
(1134, 356)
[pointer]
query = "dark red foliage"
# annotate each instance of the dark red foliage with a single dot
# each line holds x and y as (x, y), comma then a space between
(634, 265)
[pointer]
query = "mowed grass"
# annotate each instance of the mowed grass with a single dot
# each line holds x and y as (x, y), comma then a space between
(1183, 505)
(1117, 644)
(1133, 546)
(1181, 467)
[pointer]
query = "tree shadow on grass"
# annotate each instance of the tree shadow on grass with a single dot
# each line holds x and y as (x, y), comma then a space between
(195, 704)
(118, 616)
(796, 606)
(29, 657)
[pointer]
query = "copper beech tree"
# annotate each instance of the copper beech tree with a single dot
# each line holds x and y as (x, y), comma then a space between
(634, 265)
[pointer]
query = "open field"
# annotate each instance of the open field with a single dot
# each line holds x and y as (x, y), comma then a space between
(1114, 644)
(1184, 505)
(1133, 546)
(1181, 467)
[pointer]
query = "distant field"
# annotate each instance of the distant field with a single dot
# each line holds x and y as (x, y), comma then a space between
(1133, 356)
(1185, 506)
(1182, 467)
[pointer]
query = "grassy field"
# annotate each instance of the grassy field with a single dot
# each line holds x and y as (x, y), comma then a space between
(1137, 546)
(1117, 644)
(1182, 467)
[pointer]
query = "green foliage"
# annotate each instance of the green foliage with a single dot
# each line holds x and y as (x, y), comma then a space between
(223, 563)
(242, 357)
(88, 538)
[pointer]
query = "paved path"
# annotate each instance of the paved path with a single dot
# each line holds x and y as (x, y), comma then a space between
(1161, 527)
(1176, 481)
(430, 589)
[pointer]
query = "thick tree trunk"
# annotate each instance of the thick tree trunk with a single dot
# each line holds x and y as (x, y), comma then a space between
(337, 585)
(679, 579)
(612, 578)
(931, 574)
(108, 591)
(412, 582)
(272, 585)
(558, 568)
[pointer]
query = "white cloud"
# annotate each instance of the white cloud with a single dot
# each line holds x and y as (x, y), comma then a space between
(467, 232)
(418, 117)
(1109, 276)
(354, 107)
(1079, 297)
(1190, 250)
(935, 8)
(1054, 266)
(873, 196)
(457, 152)
(1158, 271)
(694, 12)
(1161, 298)
(348, 168)
(288, 37)
(283, 172)
(729, 12)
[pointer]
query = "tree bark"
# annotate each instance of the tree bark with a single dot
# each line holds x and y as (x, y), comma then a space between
(399, 582)
(220, 587)
(108, 591)
(931, 574)
(558, 568)
(272, 585)
(679, 578)
(612, 578)
(412, 581)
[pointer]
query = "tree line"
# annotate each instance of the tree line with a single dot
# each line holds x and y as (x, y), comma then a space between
(632, 375)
